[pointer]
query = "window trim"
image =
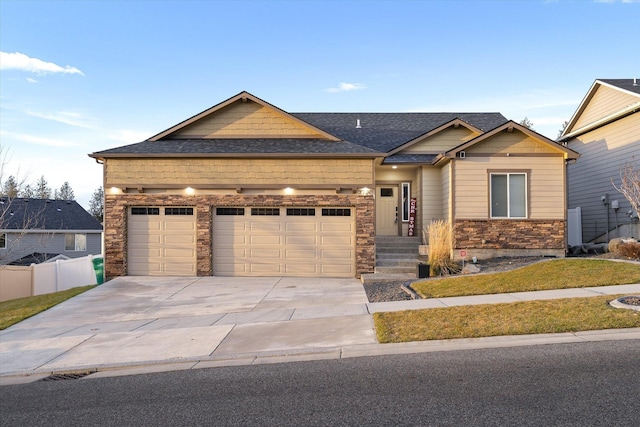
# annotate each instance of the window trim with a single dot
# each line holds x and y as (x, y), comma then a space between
(526, 173)
(3, 240)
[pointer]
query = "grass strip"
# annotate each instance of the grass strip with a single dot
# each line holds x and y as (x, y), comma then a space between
(519, 318)
(16, 310)
(555, 274)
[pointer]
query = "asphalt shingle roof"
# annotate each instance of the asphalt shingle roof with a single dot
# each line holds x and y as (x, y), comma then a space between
(626, 84)
(378, 133)
(409, 158)
(45, 214)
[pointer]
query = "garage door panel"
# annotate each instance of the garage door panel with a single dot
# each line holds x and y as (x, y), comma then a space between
(160, 244)
(301, 240)
(265, 239)
(297, 242)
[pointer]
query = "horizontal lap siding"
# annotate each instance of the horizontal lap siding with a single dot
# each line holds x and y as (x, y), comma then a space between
(546, 185)
(240, 172)
(603, 151)
(604, 102)
(442, 141)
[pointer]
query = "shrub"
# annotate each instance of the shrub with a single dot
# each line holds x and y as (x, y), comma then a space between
(625, 248)
(441, 244)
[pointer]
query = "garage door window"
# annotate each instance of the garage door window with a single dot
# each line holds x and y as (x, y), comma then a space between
(230, 211)
(336, 212)
(178, 211)
(265, 211)
(145, 211)
(301, 212)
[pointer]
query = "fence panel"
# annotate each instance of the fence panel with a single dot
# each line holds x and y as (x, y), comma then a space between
(15, 282)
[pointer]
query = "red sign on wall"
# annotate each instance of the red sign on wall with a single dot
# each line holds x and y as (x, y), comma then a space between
(412, 216)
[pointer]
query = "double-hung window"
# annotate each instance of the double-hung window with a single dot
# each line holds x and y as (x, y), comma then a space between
(508, 195)
(75, 242)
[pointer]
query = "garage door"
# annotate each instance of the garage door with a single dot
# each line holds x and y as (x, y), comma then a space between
(310, 241)
(161, 241)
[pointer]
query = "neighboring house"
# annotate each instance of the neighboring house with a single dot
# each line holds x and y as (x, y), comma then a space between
(605, 130)
(41, 229)
(245, 188)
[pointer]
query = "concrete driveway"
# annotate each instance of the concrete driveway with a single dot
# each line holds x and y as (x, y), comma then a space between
(145, 320)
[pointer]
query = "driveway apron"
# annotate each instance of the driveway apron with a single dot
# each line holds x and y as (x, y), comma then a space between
(133, 320)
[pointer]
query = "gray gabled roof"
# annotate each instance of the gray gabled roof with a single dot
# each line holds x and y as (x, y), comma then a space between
(45, 214)
(230, 147)
(385, 131)
(630, 85)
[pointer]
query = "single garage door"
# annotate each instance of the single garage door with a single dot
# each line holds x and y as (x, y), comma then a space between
(161, 241)
(280, 241)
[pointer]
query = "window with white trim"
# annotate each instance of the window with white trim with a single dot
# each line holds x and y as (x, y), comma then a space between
(406, 201)
(508, 195)
(75, 242)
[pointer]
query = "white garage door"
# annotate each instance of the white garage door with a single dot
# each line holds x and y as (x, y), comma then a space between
(310, 241)
(161, 241)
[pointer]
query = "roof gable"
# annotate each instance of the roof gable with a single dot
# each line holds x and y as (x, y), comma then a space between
(45, 214)
(243, 116)
(606, 101)
(502, 140)
(440, 139)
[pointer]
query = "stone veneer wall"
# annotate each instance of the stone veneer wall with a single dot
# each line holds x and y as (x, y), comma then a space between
(115, 223)
(510, 234)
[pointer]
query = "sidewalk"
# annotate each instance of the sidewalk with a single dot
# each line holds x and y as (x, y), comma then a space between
(143, 325)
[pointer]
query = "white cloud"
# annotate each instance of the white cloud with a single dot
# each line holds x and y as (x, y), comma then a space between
(30, 80)
(20, 61)
(66, 117)
(38, 140)
(346, 87)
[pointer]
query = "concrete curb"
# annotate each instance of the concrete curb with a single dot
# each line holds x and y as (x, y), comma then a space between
(328, 353)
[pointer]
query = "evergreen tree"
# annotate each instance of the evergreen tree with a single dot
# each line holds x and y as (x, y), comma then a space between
(65, 192)
(42, 189)
(96, 204)
(527, 123)
(10, 187)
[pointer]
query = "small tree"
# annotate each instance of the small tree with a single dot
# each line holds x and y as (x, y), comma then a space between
(42, 189)
(630, 185)
(96, 204)
(564, 126)
(27, 192)
(65, 192)
(527, 123)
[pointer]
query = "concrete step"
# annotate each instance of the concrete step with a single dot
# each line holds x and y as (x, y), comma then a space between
(399, 250)
(396, 270)
(382, 278)
(396, 262)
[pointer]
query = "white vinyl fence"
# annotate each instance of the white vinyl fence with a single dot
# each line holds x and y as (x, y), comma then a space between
(45, 278)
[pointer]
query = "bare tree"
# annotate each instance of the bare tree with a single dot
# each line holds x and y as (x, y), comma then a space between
(630, 185)
(564, 126)
(527, 123)
(10, 187)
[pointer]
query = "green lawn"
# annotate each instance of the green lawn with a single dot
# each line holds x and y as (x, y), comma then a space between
(531, 317)
(14, 311)
(554, 274)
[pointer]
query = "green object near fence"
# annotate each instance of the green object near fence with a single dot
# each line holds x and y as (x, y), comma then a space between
(98, 267)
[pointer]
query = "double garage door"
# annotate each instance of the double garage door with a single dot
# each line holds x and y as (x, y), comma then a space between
(258, 241)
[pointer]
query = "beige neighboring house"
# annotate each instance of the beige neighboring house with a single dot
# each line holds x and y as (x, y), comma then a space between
(248, 189)
(605, 130)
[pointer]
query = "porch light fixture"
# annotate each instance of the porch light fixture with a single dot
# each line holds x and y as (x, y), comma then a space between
(288, 191)
(394, 167)
(115, 190)
(189, 190)
(364, 191)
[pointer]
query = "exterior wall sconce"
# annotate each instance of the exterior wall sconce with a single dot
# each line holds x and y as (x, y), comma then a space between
(189, 191)
(365, 191)
(288, 191)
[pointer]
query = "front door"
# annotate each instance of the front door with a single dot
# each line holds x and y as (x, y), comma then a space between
(387, 210)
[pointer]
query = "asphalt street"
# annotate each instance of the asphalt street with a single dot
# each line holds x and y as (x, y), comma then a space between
(579, 384)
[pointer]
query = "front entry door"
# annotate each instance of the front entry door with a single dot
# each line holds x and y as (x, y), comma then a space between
(387, 210)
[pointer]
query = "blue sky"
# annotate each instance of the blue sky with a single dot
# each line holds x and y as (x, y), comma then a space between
(82, 76)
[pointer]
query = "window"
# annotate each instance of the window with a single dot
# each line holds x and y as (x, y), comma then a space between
(178, 211)
(386, 192)
(145, 211)
(265, 211)
(301, 212)
(75, 242)
(3, 241)
(336, 212)
(230, 211)
(406, 201)
(508, 195)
